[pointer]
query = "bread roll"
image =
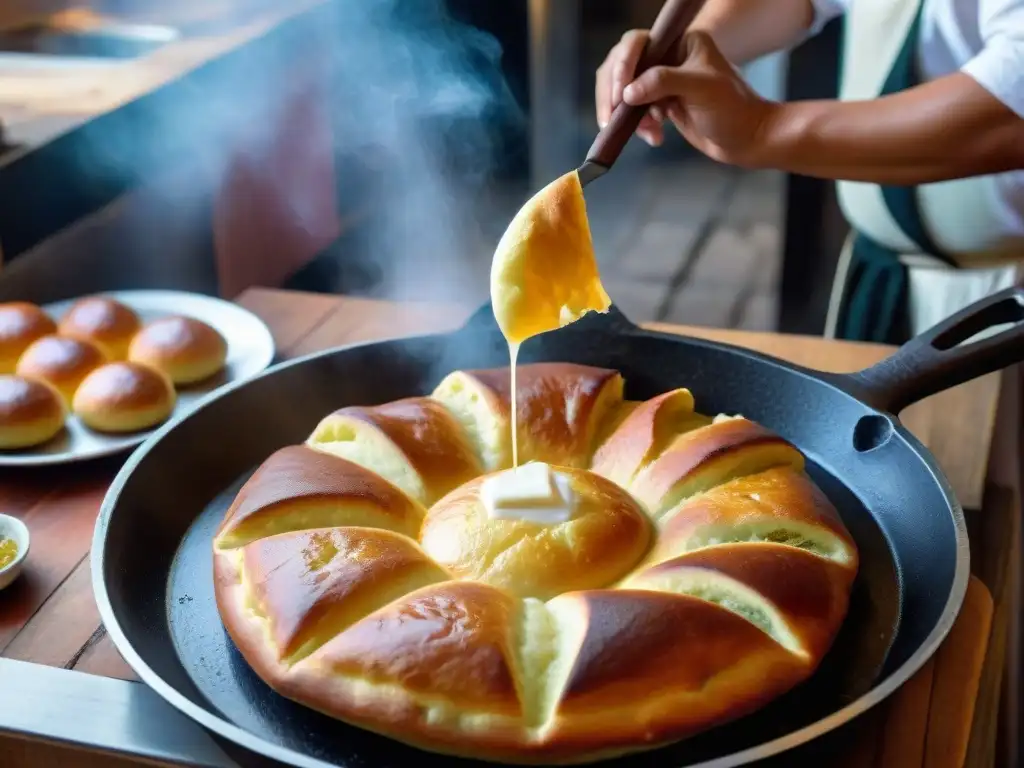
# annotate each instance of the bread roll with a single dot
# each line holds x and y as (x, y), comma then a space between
(701, 575)
(31, 412)
(644, 433)
(124, 397)
(107, 323)
(61, 362)
(415, 443)
(21, 323)
(299, 488)
(560, 410)
(186, 349)
(604, 539)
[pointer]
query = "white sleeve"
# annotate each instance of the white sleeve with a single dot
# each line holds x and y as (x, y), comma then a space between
(825, 11)
(999, 66)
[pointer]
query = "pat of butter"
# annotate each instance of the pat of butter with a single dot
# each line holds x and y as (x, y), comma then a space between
(531, 492)
(725, 417)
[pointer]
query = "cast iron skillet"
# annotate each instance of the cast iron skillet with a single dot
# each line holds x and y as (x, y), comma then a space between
(152, 547)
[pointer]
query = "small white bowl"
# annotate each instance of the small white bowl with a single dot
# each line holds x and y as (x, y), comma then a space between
(13, 528)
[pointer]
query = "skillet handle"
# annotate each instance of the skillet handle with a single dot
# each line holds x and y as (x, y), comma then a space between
(612, 321)
(939, 359)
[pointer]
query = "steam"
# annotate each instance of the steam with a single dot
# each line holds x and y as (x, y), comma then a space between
(418, 100)
(424, 94)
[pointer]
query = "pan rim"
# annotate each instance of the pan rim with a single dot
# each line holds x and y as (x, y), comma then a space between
(248, 740)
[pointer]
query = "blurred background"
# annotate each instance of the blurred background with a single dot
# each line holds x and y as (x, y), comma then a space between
(373, 148)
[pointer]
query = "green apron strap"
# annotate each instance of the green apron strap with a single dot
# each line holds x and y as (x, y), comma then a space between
(875, 299)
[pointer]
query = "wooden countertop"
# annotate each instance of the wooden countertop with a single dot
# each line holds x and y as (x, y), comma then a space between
(49, 616)
(42, 97)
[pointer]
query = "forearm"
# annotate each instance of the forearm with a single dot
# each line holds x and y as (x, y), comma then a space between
(745, 30)
(946, 129)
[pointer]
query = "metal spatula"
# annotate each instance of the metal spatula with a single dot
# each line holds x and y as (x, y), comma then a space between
(673, 20)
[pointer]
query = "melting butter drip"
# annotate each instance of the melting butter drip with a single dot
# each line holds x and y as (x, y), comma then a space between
(533, 492)
(544, 273)
(513, 355)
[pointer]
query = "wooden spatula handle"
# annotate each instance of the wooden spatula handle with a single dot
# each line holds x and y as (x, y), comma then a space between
(673, 19)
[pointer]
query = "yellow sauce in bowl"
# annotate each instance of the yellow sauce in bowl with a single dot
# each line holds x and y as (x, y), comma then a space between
(8, 551)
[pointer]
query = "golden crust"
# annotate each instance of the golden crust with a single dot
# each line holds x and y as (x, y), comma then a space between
(61, 362)
(107, 323)
(643, 435)
(560, 409)
(810, 592)
(435, 454)
(185, 349)
(605, 538)
(709, 579)
(706, 457)
(307, 586)
(21, 323)
(651, 667)
(298, 488)
(123, 397)
(31, 412)
(780, 504)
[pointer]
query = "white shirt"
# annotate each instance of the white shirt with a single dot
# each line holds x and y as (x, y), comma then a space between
(984, 39)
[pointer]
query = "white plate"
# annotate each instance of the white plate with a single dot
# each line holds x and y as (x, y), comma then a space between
(250, 350)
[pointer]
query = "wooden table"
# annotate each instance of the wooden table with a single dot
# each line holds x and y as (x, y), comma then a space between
(49, 619)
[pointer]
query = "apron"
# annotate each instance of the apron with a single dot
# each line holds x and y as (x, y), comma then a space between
(915, 254)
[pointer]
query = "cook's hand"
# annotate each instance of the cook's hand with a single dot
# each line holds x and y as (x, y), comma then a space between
(708, 101)
(614, 74)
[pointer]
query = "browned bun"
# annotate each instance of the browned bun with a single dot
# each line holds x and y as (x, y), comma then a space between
(21, 323)
(107, 323)
(606, 537)
(644, 433)
(61, 362)
(561, 410)
(31, 412)
(124, 397)
(414, 443)
(186, 349)
(298, 488)
(701, 574)
(311, 584)
(702, 458)
(781, 505)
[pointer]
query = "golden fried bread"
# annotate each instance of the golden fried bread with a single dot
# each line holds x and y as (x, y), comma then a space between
(697, 574)
(61, 362)
(643, 434)
(702, 458)
(544, 273)
(781, 505)
(415, 443)
(186, 349)
(21, 323)
(31, 412)
(310, 585)
(107, 323)
(561, 408)
(604, 540)
(298, 488)
(652, 667)
(796, 597)
(124, 397)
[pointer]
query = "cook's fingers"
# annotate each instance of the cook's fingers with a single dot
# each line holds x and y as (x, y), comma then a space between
(603, 93)
(659, 83)
(652, 132)
(630, 48)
